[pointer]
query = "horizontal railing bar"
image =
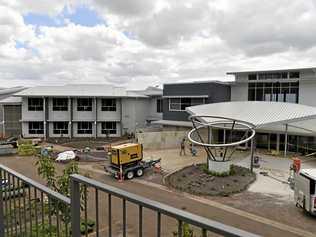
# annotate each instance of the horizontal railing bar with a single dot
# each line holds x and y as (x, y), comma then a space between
(170, 211)
(41, 187)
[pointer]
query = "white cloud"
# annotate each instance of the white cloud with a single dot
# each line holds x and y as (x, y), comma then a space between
(151, 42)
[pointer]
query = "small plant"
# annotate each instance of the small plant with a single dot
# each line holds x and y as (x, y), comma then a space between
(187, 231)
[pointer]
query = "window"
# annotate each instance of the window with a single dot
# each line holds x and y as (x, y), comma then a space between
(108, 105)
(36, 127)
(268, 76)
(60, 127)
(294, 74)
(35, 104)
(281, 92)
(179, 104)
(159, 105)
(108, 127)
(60, 104)
(84, 128)
(84, 104)
(252, 77)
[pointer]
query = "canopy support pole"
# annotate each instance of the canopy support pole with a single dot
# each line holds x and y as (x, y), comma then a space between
(252, 153)
(278, 143)
(209, 138)
(285, 140)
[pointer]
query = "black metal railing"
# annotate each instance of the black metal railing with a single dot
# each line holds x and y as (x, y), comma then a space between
(28, 208)
(158, 211)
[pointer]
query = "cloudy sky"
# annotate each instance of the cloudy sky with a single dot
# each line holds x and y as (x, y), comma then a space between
(136, 43)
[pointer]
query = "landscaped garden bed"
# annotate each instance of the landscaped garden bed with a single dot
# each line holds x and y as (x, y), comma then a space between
(195, 179)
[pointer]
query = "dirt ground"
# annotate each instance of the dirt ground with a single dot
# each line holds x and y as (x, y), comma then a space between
(193, 179)
(82, 143)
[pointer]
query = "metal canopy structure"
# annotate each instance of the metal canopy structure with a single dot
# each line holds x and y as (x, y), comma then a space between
(264, 115)
(276, 117)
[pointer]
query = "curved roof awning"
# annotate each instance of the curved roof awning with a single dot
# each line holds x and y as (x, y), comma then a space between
(266, 116)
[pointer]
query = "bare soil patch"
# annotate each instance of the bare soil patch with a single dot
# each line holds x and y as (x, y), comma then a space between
(82, 143)
(193, 179)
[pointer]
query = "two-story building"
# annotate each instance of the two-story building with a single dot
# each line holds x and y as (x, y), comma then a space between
(284, 85)
(86, 110)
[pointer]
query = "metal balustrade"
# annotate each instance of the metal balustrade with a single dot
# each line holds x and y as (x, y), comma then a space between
(28, 208)
(161, 210)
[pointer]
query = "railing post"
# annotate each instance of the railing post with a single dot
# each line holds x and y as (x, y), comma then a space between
(1, 204)
(75, 207)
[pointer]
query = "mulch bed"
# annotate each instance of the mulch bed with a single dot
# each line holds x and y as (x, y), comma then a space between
(194, 180)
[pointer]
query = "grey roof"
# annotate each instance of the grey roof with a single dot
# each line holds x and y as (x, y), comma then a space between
(150, 91)
(274, 70)
(7, 91)
(79, 90)
(11, 101)
(199, 82)
(264, 115)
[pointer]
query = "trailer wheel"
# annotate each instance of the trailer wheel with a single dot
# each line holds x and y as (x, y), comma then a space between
(130, 175)
(139, 172)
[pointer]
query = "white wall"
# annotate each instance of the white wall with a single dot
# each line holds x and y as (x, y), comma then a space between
(134, 113)
(31, 115)
(75, 131)
(239, 92)
(109, 115)
(161, 140)
(25, 131)
(83, 115)
(307, 93)
(57, 115)
(153, 108)
(118, 130)
(51, 131)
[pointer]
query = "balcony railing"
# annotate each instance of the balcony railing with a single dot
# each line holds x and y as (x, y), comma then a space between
(28, 208)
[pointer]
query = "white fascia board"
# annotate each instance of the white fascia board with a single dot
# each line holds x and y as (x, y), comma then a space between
(185, 96)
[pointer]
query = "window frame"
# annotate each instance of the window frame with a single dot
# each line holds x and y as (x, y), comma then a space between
(84, 130)
(84, 107)
(60, 106)
(61, 131)
(183, 104)
(106, 107)
(276, 91)
(112, 130)
(159, 105)
(34, 106)
(39, 130)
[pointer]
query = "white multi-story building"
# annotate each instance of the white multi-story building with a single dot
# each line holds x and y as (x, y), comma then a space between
(288, 85)
(87, 110)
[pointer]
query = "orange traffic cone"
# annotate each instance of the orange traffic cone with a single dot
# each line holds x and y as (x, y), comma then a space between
(157, 168)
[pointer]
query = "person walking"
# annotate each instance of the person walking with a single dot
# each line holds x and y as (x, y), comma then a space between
(182, 147)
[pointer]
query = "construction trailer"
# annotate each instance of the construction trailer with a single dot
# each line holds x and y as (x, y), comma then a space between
(126, 161)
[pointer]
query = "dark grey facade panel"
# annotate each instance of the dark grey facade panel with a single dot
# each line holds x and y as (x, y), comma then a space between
(12, 117)
(215, 92)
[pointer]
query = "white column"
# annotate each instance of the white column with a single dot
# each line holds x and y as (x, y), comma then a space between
(285, 140)
(278, 143)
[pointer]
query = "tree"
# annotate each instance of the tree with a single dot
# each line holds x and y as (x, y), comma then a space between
(46, 169)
